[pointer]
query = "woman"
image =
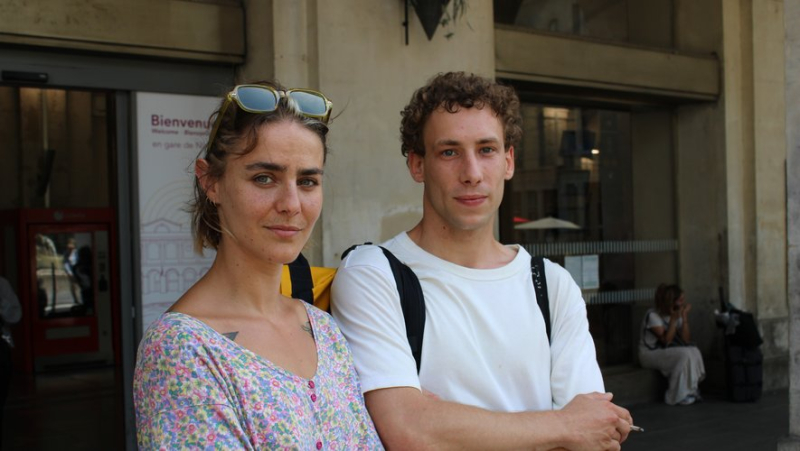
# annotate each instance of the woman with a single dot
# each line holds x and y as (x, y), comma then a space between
(234, 364)
(665, 346)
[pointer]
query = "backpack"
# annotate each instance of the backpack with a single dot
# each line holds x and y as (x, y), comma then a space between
(303, 283)
(312, 284)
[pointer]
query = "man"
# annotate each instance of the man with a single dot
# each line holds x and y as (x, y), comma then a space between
(10, 313)
(489, 379)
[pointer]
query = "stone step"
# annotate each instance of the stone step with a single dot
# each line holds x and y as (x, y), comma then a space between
(633, 385)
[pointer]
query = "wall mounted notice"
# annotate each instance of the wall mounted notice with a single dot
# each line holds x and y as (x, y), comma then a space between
(171, 130)
(585, 269)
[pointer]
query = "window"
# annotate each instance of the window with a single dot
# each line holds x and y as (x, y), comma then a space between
(633, 21)
(582, 196)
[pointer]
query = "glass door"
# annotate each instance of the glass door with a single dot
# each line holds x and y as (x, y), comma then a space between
(55, 145)
(71, 283)
(593, 191)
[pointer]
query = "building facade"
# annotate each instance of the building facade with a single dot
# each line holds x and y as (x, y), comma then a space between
(657, 130)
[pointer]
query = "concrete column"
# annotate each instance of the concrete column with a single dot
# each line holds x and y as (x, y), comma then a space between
(653, 195)
(260, 43)
(369, 73)
(769, 146)
(294, 45)
(282, 45)
(792, 66)
(739, 154)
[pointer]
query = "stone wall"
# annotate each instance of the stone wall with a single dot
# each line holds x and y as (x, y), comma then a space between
(792, 96)
(209, 30)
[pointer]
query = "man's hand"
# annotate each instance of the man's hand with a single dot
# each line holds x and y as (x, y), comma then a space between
(594, 422)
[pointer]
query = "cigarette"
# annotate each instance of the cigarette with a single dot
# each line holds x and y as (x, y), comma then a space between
(637, 428)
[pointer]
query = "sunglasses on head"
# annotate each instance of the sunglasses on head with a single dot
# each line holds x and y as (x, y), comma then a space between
(265, 99)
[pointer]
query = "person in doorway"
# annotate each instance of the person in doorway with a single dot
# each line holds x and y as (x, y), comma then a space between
(489, 378)
(665, 345)
(83, 270)
(234, 364)
(70, 260)
(10, 313)
(45, 246)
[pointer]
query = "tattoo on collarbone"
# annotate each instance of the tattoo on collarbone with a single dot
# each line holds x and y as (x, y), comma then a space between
(230, 335)
(307, 328)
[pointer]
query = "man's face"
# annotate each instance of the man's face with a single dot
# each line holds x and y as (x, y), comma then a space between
(464, 168)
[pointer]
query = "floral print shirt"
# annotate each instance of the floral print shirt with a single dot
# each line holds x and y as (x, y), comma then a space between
(196, 389)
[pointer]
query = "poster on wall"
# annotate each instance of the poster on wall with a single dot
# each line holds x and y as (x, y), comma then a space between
(171, 130)
(585, 269)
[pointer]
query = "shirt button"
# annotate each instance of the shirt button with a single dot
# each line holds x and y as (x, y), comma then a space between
(310, 384)
(313, 397)
(319, 444)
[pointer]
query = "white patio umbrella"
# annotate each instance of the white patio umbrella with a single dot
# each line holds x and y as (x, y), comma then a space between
(548, 222)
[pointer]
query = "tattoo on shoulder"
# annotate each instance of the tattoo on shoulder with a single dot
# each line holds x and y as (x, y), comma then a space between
(231, 335)
(307, 328)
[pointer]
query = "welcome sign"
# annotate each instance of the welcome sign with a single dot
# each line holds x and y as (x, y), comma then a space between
(171, 130)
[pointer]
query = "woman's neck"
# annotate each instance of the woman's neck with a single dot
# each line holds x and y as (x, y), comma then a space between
(235, 285)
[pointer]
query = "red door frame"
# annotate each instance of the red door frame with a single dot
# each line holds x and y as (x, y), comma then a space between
(29, 333)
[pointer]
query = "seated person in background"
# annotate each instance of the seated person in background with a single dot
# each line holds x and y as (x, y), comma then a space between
(500, 383)
(234, 364)
(665, 346)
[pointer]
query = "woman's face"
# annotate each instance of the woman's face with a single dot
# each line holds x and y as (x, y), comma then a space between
(679, 302)
(269, 199)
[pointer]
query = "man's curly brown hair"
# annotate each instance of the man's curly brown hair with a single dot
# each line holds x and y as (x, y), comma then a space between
(453, 91)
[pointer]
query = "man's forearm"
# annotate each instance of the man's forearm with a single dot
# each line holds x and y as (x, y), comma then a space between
(423, 422)
(406, 419)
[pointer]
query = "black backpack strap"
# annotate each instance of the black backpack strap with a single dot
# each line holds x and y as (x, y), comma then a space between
(540, 287)
(347, 251)
(412, 300)
(646, 330)
(302, 282)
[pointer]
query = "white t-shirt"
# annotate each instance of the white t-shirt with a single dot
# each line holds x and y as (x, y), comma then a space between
(484, 342)
(654, 319)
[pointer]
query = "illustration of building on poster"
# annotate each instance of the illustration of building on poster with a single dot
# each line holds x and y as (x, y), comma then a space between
(171, 130)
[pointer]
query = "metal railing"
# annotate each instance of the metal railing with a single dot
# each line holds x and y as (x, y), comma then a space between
(601, 247)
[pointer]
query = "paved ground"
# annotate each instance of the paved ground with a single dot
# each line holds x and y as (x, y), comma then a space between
(82, 412)
(78, 411)
(714, 424)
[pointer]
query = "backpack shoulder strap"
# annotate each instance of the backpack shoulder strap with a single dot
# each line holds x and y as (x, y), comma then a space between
(412, 301)
(540, 287)
(349, 249)
(647, 329)
(300, 277)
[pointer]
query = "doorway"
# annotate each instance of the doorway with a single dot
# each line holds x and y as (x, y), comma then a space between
(593, 191)
(57, 218)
